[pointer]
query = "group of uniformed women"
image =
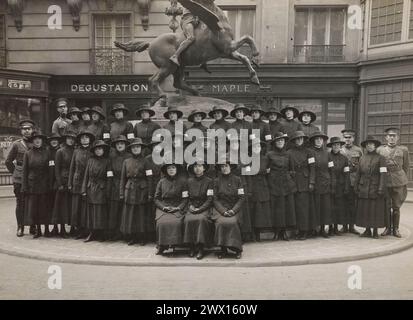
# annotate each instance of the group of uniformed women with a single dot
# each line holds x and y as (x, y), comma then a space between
(103, 182)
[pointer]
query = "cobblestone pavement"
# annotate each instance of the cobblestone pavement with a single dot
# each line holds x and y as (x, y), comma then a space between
(267, 253)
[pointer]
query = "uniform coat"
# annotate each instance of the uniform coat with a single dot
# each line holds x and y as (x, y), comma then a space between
(170, 191)
(98, 129)
(309, 129)
(197, 226)
(170, 126)
(199, 126)
(264, 127)
(341, 170)
(52, 180)
(59, 125)
(291, 126)
(220, 124)
(122, 127)
(74, 127)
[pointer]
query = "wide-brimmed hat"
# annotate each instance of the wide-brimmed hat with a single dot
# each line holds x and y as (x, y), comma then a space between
(215, 109)
(239, 106)
(38, 134)
(27, 123)
(164, 166)
(190, 167)
(85, 110)
(348, 131)
(100, 143)
(310, 113)
(279, 135)
(145, 107)
(334, 140)
(318, 134)
(98, 110)
(370, 139)
(87, 133)
(135, 142)
(119, 107)
(61, 102)
(273, 110)
(257, 107)
(69, 134)
(173, 109)
(54, 136)
(120, 138)
(74, 110)
(295, 110)
(195, 112)
(298, 134)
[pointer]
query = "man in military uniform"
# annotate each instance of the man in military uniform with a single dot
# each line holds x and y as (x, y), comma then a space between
(397, 161)
(14, 164)
(353, 154)
(60, 124)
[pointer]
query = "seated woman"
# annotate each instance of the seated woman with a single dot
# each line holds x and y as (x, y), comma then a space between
(229, 197)
(197, 226)
(171, 197)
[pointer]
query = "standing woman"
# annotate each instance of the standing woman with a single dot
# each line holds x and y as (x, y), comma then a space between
(342, 173)
(171, 197)
(74, 115)
(304, 176)
(134, 191)
(257, 123)
(98, 125)
(307, 118)
(370, 188)
(36, 184)
(53, 146)
(282, 187)
(76, 173)
(63, 201)
(290, 125)
(275, 120)
(324, 182)
(120, 126)
(86, 120)
(117, 157)
(196, 117)
(96, 188)
(197, 226)
(146, 127)
(229, 197)
(219, 115)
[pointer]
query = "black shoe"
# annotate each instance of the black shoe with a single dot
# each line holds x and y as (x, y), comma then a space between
(366, 233)
(32, 230)
(200, 255)
(238, 255)
(20, 231)
(301, 236)
(324, 234)
(47, 233)
(37, 233)
(284, 236)
(330, 232)
(160, 250)
(353, 230)
(336, 232)
(191, 253)
(375, 233)
(54, 232)
(258, 236)
(90, 237)
(386, 232)
(344, 229)
(396, 233)
(72, 232)
(132, 242)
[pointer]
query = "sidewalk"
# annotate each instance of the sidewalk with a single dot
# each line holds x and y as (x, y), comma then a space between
(266, 253)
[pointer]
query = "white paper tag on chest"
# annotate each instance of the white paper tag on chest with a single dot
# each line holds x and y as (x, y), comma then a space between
(346, 169)
(383, 169)
(148, 173)
(109, 174)
(51, 163)
(106, 136)
(331, 164)
(311, 160)
(210, 192)
(130, 136)
(268, 137)
(241, 191)
(185, 194)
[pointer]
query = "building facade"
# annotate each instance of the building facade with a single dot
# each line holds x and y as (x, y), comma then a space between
(349, 61)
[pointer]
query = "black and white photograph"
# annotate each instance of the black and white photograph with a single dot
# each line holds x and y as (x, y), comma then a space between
(222, 152)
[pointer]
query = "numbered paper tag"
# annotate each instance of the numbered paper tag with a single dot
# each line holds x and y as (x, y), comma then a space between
(268, 137)
(311, 160)
(383, 169)
(51, 163)
(106, 136)
(331, 164)
(131, 136)
(109, 174)
(346, 169)
(241, 191)
(149, 172)
(185, 194)
(210, 192)
(248, 169)
(252, 136)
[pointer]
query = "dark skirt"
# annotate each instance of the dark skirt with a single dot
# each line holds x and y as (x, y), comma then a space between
(283, 211)
(339, 212)
(227, 231)
(351, 206)
(322, 203)
(79, 211)
(304, 210)
(197, 229)
(261, 214)
(62, 208)
(36, 209)
(97, 216)
(51, 202)
(372, 213)
(150, 221)
(246, 225)
(133, 219)
(169, 230)
(115, 214)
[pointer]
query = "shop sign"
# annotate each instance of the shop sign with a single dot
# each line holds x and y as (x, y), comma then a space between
(109, 88)
(19, 84)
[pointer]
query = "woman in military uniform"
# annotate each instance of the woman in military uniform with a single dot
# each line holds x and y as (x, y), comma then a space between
(86, 120)
(36, 184)
(171, 198)
(117, 157)
(219, 115)
(120, 126)
(74, 115)
(257, 114)
(306, 119)
(197, 226)
(324, 182)
(96, 187)
(304, 176)
(229, 195)
(282, 187)
(98, 125)
(76, 173)
(275, 120)
(290, 125)
(370, 188)
(135, 183)
(342, 173)
(196, 117)
(63, 201)
(146, 127)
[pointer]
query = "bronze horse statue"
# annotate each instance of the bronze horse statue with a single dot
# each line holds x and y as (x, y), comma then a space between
(214, 39)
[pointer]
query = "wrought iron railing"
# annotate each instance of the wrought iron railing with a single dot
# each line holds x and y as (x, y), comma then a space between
(110, 61)
(314, 54)
(3, 63)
